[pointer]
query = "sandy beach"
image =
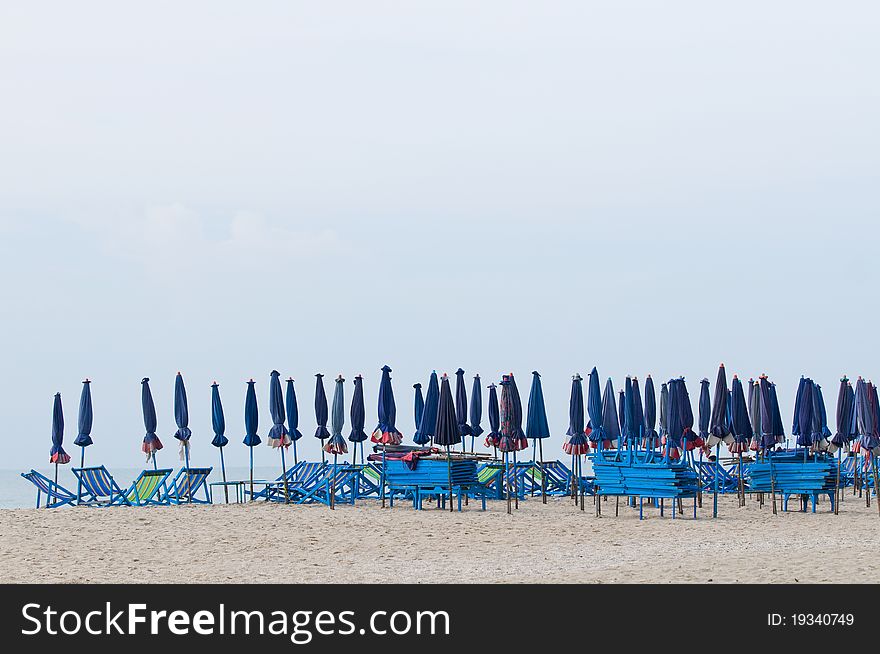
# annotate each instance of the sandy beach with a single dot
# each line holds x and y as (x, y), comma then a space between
(365, 544)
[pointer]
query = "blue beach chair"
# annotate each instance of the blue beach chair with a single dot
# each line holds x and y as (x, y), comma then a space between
(97, 487)
(299, 475)
(145, 490)
(56, 494)
(340, 481)
(186, 485)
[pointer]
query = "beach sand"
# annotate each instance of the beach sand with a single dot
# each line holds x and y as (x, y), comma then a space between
(262, 542)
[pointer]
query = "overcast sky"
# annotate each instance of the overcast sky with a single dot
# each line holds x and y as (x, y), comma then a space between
(502, 186)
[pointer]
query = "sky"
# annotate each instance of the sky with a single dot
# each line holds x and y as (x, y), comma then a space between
(649, 188)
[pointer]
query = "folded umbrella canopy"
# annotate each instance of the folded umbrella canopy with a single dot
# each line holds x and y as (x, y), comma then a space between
(292, 409)
(516, 403)
(795, 422)
(57, 455)
(664, 410)
(279, 437)
(576, 443)
(754, 406)
(843, 436)
(621, 414)
(864, 419)
(740, 427)
(778, 427)
(476, 410)
(428, 421)
(766, 438)
(493, 438)
(537, 427)
(448, 430)
(704, 410)
(823, 417)
(218, 422)
(337, 445)
(596, 429)
(418, 404)
(675, 426)
(610, 418)
(461, 405)
(651, 435)
(719, 426)
(386, 432)
(804, 408)
(321, 413)
(181, 417)
(358, 416)
(509, 441)
(151, 444)
(251, 424)
(84, 433)
(636, 413)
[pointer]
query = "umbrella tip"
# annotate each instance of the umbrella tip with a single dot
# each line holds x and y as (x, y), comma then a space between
(87, 381)
(721, 365)
(340, 377)
(290, 379)
(145, 380)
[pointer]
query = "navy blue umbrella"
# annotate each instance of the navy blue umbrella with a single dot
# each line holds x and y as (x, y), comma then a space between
(719, 426)
(279, 437)
(358, 416)
(596, 429)
(651, 435)
(218, 422)
(57, 455)
(795, 423)
(517, 416)
(321, 413)
(631, 426)
(181, 417)
(754, 406)
(823, 416)
(805, 408)
(509, 436)
(610, 417)
(386, 431)
(337, 445)
(419, 404)
(292, 409)
(151, 444)
(865, 418)
(740, 427)
(461, 406)
(664, 408)
(621, 414)
(674, 424)
(636, 415)
(84, 434)
(493, 438)
(251, 424)
(576, 443)
(842, 436)
(537, 426)
(183, 433)
(448, 431)
(428, 421)
(704, 410)
(776, 416)
(476, 410)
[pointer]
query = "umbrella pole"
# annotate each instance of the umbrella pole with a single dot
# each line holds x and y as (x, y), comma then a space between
(837, 492)
(82, 464)
(772, 482)
(333, 484)
(382, 490)
(295, 462)
(223, 470)
(742, 488)
(515, 483)
(543, 477)
(284, 472)
(534, 462)
(323, 458)
(876, 485)
(507, 476)
(449, 475)
(715, 492)
(186, 461)
(251, 448)
(699, 483)
(573, 473)
(580, 474)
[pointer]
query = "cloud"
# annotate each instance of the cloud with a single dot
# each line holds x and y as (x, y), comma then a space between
(175, 238)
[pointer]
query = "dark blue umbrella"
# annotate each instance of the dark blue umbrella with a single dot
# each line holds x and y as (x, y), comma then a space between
(690, 438)
(218, 422)
(279, 437)
(767, 437)
(386, 432)
(537, 426)
(842, 436)
(610, 418)
(419, 404)
(636, 413)
(84, 435)
(337, 445)
(805, 414)
(181, 417)
(508, 441)
(476, 410)
(517, 417)
(292, 410)
(740, 427)
(321, 413)
(596, 430)
(576, 443)
(493, 438)
(251, 424)
(865, 417)
(57, 455)
(823, 415)
(428, 422)
(651, 435)
(719, 425)
(754, 405)
(151, 444)
(631, 426)
(705, 410)
(664, 407)
(358, 417)
(448, 431)
(674, 424)
(778, 427)
(795, 423)
(621, 413)
(461, 405)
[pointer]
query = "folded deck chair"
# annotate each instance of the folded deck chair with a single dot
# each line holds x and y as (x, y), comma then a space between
(145, 489)
(298, 475)
(184, 488)
(341, 481)
(56, 494)
(97, 487)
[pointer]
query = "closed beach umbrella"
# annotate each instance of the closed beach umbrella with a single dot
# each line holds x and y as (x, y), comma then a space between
(428, 422)
(636, 413)
(251, 424)
(57, 455)
(704, 410)
(719, 426)
(337, 445)
(651, 436)
(418, 404)
(596, 428)
(805, 414)
(508, 441)
(621, 414)
(279, 437)
(84, 423)
(823, 417)
(795, 422)
(776, 416)
(741, 428)
(576, 443)
(181, 417)
(664, 410)
(358, 416)
(842, 437)
(537, 426)
(321, 413)
(674, 424)
(754, 406)
(516, 402)
(448, 431)
(218, 422)
(386, 432)
(151, 444)
(610, 418)
(476, 410)
(493, 438)
(461, 406)
(766, 437)
(292, 409)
